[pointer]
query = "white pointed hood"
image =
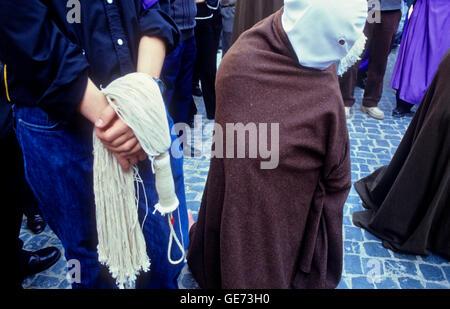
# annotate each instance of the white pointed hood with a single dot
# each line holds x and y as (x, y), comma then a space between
(323, 32)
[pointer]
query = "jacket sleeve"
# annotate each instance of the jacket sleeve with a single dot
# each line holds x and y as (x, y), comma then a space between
(213, 4)
(155, 22)
(43, 67)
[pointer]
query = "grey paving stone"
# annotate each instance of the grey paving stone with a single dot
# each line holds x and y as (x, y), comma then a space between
(352, 265)
(431, 272)
(352, 247)
(410, 283)
(37, 242)
(373, 268)
(397, 268)
(375, 249)
(436, 286)
(45, 282)
(435, 259)
(65, 285)
(353, 233)
(342, 285)
(370, 236)
(387, 284)
(361, 283)
(446, 270)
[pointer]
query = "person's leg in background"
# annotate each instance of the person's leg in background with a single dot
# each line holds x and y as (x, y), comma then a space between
(381, 45)
(35, 222)
(362, 71)
(217, 27)
(227, 30)
(206, 35)
(402, 108)
(195, 83)
(12, 212)
(22, 263)
(170, 71)
(347, 81)
(183, 90)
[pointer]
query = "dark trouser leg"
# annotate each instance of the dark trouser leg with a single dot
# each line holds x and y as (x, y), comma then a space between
(226, 42)
(12, 211)
(170, 72)
(31, 209)
(383, 36)
(30, 204)
(178, 70)
(206, 63)
(347, 81)
(227, 24)
(192, 112)
(183, 90)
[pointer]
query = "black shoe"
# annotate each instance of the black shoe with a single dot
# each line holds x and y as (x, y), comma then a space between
(400, 113)
(197, 91)
(40, 260)
(36, 223)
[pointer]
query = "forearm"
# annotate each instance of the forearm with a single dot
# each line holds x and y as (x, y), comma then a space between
(152, 52)
(150, 60)
(93, 103)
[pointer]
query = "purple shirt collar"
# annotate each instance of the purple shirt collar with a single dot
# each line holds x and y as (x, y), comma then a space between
(148, 3)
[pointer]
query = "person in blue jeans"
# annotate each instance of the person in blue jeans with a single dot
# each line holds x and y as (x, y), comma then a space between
(56, 61)
(179, 65)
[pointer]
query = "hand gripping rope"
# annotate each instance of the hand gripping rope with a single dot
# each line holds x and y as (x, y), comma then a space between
(137, 100)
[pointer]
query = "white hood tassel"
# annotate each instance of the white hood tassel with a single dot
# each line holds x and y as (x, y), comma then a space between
(353, 56)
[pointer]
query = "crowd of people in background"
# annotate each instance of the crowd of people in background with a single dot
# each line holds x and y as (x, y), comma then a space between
(49, 66)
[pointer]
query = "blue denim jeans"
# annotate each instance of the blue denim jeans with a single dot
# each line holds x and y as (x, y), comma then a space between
(58, 163)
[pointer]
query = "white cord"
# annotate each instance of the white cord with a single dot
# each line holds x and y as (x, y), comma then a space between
(172, 236)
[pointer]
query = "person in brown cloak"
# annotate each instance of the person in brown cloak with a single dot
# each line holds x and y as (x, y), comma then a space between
(249, 12)
(408, 200)
(281, 226)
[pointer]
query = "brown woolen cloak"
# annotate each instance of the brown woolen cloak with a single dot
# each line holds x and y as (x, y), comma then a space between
(408, 201)
(249, 12)
(275, 228)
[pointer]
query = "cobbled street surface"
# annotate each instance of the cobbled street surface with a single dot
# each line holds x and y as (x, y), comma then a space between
(367, 264)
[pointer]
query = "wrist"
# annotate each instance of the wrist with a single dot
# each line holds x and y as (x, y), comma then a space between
(93, 102)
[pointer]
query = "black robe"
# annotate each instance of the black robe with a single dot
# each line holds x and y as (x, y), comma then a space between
(250, 12)
(408, 201)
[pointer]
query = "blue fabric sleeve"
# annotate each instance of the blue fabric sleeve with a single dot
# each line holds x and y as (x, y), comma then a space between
(44, 68)
(155, 22)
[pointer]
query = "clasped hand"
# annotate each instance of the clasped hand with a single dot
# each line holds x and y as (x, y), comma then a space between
(118, 137)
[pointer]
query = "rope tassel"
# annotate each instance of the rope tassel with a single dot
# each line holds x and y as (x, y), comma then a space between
(137, 100)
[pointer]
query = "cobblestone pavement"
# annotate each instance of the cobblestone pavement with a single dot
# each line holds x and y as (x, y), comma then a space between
(367, 264)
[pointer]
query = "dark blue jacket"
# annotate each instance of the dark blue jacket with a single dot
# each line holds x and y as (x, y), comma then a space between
(49, 59)
(206, 9)
(183, 13)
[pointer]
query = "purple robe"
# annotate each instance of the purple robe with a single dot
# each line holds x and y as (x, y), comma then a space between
(425, 40)
(148, 3)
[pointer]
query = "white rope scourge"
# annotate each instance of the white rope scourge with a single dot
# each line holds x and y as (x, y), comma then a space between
(137, 100)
